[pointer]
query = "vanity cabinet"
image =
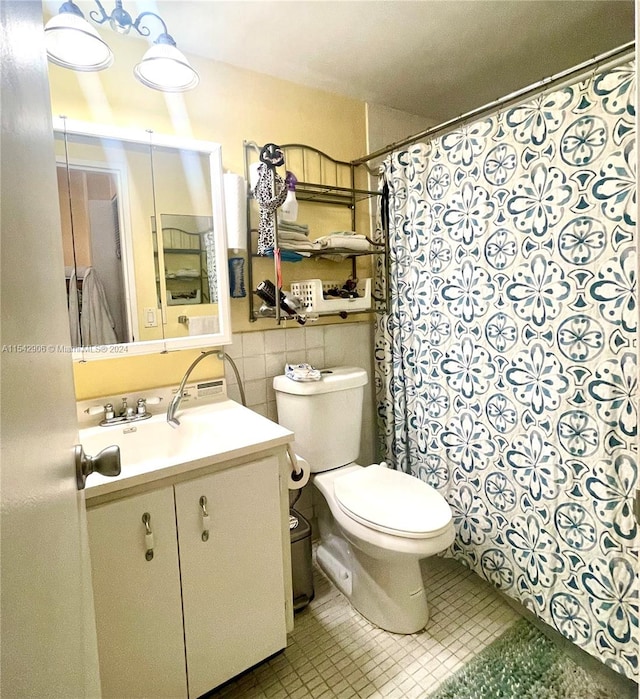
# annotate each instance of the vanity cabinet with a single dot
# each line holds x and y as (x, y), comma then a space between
(201, 598)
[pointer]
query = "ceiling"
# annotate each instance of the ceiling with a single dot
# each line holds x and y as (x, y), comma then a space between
(434, 58)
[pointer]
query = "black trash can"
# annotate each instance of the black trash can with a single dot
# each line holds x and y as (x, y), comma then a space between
(301, 569)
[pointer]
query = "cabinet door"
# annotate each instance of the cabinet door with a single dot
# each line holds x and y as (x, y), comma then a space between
(137, 601)
(232, 582)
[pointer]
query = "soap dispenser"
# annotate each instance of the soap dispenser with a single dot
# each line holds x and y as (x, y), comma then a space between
(289, 208)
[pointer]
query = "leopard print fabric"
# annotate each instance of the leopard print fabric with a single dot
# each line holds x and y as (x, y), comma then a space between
(270, 192)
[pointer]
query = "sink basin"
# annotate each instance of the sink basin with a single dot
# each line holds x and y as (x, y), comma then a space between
(152, 449)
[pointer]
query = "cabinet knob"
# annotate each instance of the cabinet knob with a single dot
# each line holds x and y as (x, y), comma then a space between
(148, 536)
(205, 518)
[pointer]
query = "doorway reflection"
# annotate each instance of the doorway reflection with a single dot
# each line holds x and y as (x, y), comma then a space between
(92, 251)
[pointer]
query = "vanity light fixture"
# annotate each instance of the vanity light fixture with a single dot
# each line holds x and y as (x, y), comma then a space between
(74, 43)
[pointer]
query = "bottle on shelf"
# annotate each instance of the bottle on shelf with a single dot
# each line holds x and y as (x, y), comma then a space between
(289, 208)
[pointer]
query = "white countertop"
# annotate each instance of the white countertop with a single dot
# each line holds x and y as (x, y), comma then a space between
(151, 449)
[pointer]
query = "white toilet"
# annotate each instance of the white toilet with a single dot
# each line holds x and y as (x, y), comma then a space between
(375, 523)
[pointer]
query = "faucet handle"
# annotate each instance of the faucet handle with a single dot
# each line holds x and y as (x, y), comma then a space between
(95, 409)
(143, 402)
(99, 409)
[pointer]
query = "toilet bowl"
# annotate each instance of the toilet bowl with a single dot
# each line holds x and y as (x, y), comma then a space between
(375, 524)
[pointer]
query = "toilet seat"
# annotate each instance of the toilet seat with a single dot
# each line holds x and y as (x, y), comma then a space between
(392, 502)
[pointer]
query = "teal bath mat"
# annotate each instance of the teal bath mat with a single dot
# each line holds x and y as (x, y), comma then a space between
(522, 664)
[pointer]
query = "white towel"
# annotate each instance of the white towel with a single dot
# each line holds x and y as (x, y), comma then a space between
(345, 240)
(292, 235)
(296, 227)
(299, 245)
(74, 309)
(235, 209)
(96, 322)
(204, 325)
(78, 269)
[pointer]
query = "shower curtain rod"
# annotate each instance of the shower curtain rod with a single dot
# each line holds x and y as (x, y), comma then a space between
(614, 54)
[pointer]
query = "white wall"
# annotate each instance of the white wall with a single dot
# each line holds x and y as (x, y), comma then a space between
(386, 125)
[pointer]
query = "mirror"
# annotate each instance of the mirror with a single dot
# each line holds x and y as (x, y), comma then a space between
(134, 288)
(189, 265)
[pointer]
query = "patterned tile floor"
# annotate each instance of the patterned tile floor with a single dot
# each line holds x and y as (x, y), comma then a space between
(334, 652)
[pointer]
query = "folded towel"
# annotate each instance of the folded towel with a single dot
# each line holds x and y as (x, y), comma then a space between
(292, 235)
(287, 255)
(302, 372)
(346, 240)
(300, 245)
(297, 227)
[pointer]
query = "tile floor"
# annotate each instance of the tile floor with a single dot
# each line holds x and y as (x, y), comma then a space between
(334, 652)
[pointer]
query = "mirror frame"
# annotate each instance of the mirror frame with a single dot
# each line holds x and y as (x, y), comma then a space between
(214, 152)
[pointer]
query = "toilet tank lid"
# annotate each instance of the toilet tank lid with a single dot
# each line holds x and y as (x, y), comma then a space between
(339, 378)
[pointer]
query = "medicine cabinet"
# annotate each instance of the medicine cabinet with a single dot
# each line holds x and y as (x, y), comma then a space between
(132, 288)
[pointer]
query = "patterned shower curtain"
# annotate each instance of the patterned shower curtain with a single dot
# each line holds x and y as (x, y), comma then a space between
(506, 366)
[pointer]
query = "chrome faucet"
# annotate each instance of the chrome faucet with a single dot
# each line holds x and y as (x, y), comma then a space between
(176, 400)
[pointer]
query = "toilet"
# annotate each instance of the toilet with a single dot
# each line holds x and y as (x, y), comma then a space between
(375, 523)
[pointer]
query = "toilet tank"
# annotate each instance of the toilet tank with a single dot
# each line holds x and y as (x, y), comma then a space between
(325, 415)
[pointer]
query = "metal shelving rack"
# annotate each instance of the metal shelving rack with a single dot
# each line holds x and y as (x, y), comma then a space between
(321, 180)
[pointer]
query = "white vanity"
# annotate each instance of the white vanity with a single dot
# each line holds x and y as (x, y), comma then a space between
(190, 550)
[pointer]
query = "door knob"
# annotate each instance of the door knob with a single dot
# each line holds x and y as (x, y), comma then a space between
(107, 463)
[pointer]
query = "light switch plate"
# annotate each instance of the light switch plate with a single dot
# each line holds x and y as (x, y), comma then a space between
(150, 318)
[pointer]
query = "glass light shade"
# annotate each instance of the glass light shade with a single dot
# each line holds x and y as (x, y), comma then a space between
(73, 43)
(164, 67)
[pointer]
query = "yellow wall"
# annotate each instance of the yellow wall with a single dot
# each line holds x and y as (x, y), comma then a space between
(228, 106)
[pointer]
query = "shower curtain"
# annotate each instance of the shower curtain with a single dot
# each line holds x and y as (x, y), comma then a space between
(506, 365)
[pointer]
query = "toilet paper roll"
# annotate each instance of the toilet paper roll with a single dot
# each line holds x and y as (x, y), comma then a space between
(298, 481)
(254, 175)
(235, 204)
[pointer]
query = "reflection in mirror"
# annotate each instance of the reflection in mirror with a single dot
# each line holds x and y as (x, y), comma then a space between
(187, 274)
(126, 284)
(96, 202)
(188, 258)
(90, 218)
